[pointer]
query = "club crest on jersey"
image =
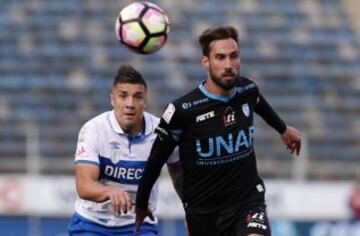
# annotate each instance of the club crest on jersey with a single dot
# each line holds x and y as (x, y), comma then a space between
(246, 109)
(169, 112)
(115, 156)
(229, 116)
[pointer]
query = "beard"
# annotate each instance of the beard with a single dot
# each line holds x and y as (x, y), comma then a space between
(225, 84)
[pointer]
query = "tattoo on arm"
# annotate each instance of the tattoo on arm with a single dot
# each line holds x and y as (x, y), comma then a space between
(177, 177)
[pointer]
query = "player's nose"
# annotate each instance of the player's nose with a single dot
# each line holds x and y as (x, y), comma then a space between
(228, 63)
(129, 103)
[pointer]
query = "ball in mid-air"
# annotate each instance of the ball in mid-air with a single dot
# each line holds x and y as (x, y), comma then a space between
(142, 27)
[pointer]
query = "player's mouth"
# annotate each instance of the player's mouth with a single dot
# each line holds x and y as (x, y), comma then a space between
(129, 115)
(228, 76)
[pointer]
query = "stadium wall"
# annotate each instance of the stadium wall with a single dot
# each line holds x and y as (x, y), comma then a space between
(41, 205)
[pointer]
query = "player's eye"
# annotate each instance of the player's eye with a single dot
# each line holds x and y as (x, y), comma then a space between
(234, 55)
(220, 56)
(122, 95)
(139, 96)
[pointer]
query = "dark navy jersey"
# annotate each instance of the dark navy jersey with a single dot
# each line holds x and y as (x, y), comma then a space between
(215, 136)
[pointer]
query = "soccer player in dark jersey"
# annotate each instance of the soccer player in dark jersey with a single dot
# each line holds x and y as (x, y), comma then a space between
(213, 127)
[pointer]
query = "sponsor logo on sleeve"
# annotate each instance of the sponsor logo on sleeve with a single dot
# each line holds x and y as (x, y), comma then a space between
(161, 130)
(81, 150)
(82, 133)
(169, 112)
(186, 105)
(260, 188)
(164, 134)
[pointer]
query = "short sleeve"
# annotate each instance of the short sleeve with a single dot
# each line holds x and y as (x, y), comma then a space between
(87, 150)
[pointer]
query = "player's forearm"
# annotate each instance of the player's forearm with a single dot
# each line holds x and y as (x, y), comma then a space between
(264, 109)
(160, 152)
(93, 191)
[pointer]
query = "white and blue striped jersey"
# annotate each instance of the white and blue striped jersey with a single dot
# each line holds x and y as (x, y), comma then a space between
(121, 161)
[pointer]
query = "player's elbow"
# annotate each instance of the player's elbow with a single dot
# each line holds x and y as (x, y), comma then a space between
(88, 192)
(82, 191)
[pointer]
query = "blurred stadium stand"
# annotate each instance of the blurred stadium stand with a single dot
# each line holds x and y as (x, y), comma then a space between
(58, 59)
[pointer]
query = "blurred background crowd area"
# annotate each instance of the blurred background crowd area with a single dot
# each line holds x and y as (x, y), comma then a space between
(58, 59)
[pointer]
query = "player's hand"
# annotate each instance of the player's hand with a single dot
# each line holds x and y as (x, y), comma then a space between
(187, 232)
(121, 202)
(292, 139)
(141, 214)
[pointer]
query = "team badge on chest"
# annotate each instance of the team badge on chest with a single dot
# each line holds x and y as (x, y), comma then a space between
(115, 155)
(246, 109)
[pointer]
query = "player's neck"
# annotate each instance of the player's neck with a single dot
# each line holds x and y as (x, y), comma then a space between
(135, 129)
(216, 89)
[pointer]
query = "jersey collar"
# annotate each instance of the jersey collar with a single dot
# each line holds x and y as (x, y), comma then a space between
(214, 96)
(116, 127)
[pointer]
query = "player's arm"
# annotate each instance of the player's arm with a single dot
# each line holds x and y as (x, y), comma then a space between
(264, 109)
(169, 133)
(87, 173)
(89, 188)
(290, 136)
(177, 176)
(160, 152)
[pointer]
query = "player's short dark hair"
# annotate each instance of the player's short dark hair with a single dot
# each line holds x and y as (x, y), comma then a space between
(216, 33)
(127, 74)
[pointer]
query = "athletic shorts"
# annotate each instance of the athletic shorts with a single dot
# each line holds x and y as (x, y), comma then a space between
(247, 218)
(80, 226)
(231, 223)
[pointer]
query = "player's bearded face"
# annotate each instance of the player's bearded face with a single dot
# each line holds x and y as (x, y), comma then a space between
(226, 80)
(224, 63)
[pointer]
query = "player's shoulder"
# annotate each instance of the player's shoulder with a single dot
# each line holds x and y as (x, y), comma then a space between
(187, 96)
(189, 100)
(246, 84)
(180, 107)
(244, 81)
(98, 122)
(151, 118)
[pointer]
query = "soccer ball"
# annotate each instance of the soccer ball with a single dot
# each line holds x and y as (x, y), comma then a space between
(142, 27)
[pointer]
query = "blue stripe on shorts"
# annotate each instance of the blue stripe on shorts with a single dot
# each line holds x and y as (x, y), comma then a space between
(80, 226)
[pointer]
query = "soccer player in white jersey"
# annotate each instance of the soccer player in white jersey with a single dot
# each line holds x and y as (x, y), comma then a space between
(111, 153)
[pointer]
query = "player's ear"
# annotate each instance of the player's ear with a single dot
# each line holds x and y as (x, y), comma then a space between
(146, 97)
(205, 62)
(145, 102)
(112, 99)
